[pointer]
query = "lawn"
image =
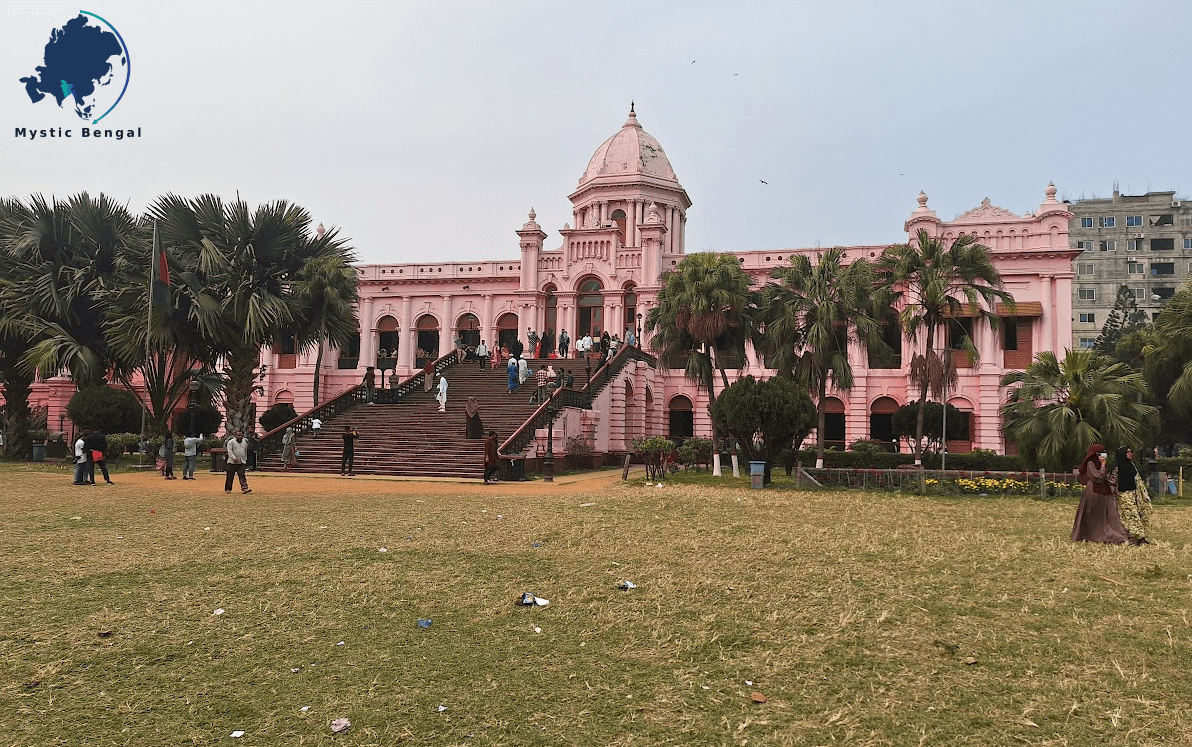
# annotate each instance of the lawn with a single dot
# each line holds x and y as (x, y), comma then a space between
(860, 618)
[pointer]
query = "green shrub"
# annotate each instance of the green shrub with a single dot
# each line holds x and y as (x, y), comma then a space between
(105, 407)
(278, 415)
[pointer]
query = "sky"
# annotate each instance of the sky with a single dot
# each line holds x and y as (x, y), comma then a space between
(425, 131)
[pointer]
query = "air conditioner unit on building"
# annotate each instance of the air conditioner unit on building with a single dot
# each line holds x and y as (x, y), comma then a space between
(1175, 203)
(1138, 236)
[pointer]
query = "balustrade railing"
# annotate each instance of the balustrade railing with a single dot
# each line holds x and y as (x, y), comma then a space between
(347, 400)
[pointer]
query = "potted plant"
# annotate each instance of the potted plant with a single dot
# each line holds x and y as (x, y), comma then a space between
(39, 438)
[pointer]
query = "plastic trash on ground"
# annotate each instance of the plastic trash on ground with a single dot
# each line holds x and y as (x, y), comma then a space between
(626, 585)
(529, 600)
(340, 725)
(424, 622)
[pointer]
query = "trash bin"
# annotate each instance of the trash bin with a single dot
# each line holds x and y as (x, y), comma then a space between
(219, 460)
(757, 474)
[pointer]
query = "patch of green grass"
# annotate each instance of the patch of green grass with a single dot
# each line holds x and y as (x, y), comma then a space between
(864, 619)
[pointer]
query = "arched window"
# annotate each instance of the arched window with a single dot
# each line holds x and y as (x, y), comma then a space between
(881, 421)
(631, 323)
(468, 330)
(387, 337)
(682, 419)
(428, 340)
(506, 329)
(834, 433)
(590, 301)
(618, 217)
(551, 309)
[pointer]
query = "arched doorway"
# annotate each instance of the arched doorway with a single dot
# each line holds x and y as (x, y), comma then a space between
(881, 422)
(648, 422)
(386, 338)
(682, 420)
(834, 433)
(506, 330)
(550, 325)
(590, 306)
(428, 340)
(468, 330)
(618, 217)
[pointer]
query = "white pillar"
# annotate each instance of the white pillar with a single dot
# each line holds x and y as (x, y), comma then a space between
(1048, 341)
(368, 335)
(446, 336)
(405, 349)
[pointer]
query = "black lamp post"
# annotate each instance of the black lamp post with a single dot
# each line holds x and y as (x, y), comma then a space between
(548, 464)
(588, 365)
(639, 331)
(193, 404)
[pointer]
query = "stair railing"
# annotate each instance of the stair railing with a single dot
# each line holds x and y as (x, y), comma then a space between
(613, 366)
(348, 400)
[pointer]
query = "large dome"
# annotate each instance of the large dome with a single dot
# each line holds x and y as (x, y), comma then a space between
(631, 151)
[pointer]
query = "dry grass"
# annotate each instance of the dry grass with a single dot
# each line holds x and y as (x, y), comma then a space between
(855, 614)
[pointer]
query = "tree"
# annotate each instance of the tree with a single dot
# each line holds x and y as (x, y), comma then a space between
(326, 297)
(250, 262)
(275, 416)
(703, 316)
(1166, 350)
(62, 256)
(934, 283)
(107, 408)
(809, 318)
(764, 416)
(1123, 319)
(906, 419)
(1057, 408)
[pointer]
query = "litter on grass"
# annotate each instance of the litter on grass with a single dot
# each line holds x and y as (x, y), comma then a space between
(424, 622)
(626, 585)
(295, 670)
(340, 643)
(585, 505)
(442, 708)
(383, 549)
(537, 629)
(304, 709)
(237, 734)
(529, 600)
(536, 544)
(340, 725)
(757, 697)
(218, 611)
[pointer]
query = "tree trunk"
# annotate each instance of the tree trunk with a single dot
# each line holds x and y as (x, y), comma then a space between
(820, 435)
(919, 420)
(733, 443)
(319, 366)
(17, 387)
(711, 400)
(241, 374)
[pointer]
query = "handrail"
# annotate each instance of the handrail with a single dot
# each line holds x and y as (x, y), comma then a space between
(581, 398)
(347, 400)
(543, 417)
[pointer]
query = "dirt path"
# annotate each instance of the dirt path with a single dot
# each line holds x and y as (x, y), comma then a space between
(276, 482)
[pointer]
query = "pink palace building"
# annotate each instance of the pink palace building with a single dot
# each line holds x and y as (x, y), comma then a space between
(627, 230)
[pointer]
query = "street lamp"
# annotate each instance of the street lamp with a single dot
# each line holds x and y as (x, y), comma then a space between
(548, 464)
(639, 331)
(193, 404)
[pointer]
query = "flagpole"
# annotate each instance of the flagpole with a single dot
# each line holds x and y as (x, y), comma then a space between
(148, 328)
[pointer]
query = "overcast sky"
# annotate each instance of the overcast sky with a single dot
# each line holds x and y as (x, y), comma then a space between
(426, 130)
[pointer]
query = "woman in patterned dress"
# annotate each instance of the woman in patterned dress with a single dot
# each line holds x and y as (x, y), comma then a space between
(1134, 503)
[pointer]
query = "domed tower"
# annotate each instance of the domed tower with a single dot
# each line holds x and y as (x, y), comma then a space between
(628, 198)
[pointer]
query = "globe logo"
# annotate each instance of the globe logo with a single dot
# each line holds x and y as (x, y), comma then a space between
(85, 67)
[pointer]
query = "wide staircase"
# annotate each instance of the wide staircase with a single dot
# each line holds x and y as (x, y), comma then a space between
(411, 437)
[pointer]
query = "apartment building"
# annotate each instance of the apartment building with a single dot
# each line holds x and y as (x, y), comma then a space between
(1142, 241)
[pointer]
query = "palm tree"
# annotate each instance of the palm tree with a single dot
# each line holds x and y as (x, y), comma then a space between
(1058, 408)
(62, 257)
(326, 295)
(250, 261)
(1165, 349)
(810, 317)
(703, 316)
(934, 283)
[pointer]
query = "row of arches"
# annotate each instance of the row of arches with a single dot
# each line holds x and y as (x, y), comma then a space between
(881, 423)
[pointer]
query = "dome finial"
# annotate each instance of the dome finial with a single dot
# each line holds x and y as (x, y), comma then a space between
(631, 106)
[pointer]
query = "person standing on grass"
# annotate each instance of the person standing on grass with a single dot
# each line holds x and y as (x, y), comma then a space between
(81, 457)
(237, 462)
(1134, 503)
(252, 452)
(1097, 515)
(491, 461)
(167, 448)
(347, 463)
(97, 444)
(190, 456)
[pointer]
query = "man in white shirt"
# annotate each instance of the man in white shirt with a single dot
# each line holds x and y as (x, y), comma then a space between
(482, 354)
(442, 395)
(237, 462)
(80, 458)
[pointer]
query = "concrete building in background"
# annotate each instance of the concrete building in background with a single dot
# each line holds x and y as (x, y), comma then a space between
(1143, 242)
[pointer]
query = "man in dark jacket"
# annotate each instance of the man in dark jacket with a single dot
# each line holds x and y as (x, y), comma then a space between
(491, 460)
(97, 443)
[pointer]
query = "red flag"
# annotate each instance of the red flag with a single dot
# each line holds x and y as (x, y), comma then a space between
(163, 267)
